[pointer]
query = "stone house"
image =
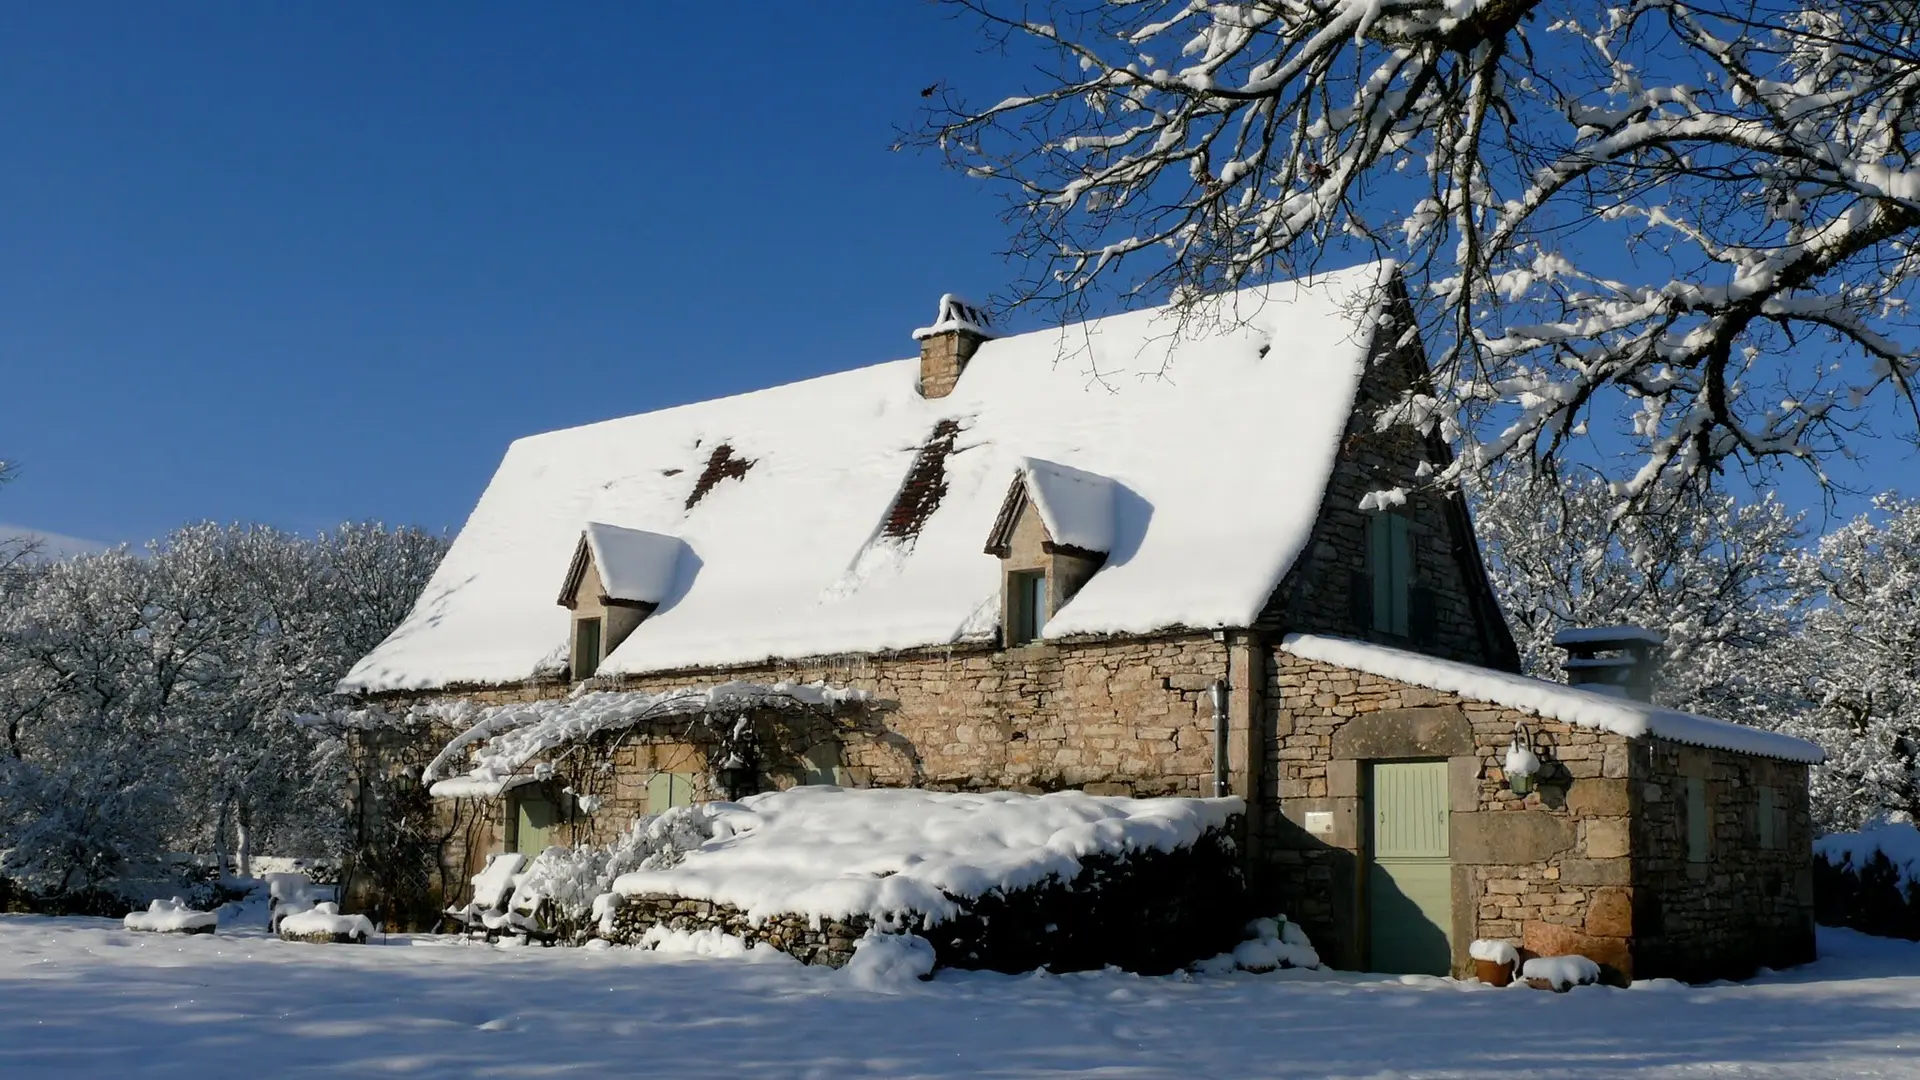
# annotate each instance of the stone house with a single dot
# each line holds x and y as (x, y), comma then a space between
(1133, 556)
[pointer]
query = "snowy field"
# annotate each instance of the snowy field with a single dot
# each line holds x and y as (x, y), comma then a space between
(83, 997)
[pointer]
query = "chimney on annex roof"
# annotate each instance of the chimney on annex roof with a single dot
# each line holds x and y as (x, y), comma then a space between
(1612, 659)
(945, 347)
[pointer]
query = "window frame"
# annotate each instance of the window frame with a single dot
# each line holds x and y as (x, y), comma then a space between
(1027, 603)
(517, 809)
(581, 668)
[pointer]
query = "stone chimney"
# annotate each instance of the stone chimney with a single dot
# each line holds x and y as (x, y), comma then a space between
(946, 346)
(1612, 659)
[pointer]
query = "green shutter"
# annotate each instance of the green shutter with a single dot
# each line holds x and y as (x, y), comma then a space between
(1027, 597)
(586, 648)
(1410, 876)
(1390, 562)
(1699, 829)
(666, 790)
(534, 823)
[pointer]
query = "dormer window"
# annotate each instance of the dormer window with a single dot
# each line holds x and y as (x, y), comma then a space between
(618, 577)
(1052, 535)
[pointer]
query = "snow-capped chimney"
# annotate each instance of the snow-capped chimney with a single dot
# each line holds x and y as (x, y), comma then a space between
(945, 347)
(1613, 659)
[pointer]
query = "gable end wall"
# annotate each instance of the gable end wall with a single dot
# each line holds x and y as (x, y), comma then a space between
(1315, 596)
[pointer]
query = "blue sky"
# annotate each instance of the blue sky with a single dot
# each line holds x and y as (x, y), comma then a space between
(307, 263)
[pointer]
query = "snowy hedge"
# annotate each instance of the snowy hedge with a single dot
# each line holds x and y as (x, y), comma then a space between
(993, 880)
(1869, 880)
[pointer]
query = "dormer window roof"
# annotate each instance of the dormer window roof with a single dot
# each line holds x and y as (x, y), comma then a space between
(617, 579)
(635, 567)
(1075, 507)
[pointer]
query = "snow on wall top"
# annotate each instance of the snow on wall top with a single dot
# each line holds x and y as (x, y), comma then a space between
(790, 558)
(1607, 712)
(829, 852)
(1076, 506)
(634, 564)
(1589, 635)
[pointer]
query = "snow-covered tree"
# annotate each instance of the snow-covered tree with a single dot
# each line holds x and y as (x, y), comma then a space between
(1713, 574)
(14, 550)
(1695, 222)
(152, 702)
(1859, 665)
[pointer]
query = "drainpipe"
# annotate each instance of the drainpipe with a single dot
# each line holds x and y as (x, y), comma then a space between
(1220, 784)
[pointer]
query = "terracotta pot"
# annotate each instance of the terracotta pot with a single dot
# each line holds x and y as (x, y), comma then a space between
(1492, 972)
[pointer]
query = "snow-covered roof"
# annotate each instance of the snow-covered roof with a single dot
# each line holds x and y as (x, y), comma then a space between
(786, 498)
(635, 565)
(831, 852)
(1574, 705)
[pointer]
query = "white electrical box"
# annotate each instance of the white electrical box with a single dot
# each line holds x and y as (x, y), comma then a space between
(1320, 822)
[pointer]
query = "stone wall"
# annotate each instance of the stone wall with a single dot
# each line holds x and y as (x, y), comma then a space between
(1594, 861)
(1549, 871)
(1741, 903)
(1118, 717)
(827, 942)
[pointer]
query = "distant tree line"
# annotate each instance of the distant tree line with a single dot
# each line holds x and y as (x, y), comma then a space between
(155, 702)
(1818, 639)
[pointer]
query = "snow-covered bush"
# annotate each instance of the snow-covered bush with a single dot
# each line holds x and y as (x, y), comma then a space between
(1870, 880)
(557, 892)
(1271, 944)
(890, 963)
(172, 917)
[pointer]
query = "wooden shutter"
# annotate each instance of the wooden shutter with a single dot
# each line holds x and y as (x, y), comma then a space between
(534, 824)
(1699, 827)
(666, 790)
(1390, 563)
(1765, 824)
(1027, 598)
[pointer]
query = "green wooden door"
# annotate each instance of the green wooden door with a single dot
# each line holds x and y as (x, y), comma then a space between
(1409, 874)
(533, 833)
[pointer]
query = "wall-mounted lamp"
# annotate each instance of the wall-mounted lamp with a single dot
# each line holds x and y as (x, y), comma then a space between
(1522, 764)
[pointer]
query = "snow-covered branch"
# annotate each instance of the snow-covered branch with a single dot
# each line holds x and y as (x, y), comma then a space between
(1698, 222)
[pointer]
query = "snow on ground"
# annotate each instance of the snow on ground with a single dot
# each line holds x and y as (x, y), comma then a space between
(82, 997)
